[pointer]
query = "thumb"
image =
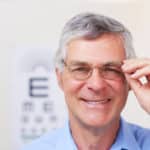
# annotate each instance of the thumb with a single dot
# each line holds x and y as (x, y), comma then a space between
(134, 84)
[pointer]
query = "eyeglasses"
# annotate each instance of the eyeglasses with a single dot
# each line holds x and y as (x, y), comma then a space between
(109, 71)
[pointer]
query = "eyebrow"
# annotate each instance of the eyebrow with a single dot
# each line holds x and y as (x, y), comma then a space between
(107, 64)
(76, 63)
(113, 64)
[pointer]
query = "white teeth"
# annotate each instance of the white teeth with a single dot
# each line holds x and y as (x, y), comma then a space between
(98, 102)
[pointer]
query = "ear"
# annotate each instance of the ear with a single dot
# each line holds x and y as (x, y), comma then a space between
(129, 88)
(128, 82)
(59, 78)
(128, 85)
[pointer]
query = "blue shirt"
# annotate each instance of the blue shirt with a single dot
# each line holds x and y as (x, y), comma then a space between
(130, 137)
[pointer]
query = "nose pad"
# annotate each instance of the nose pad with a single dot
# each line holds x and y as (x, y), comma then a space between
(96, 81)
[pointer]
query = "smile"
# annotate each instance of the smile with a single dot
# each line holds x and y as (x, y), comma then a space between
(97, 102)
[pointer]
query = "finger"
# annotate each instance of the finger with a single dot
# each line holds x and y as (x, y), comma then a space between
(148, 78)
(137, 60)
(132, 65)
(134, 84)
(141, 73)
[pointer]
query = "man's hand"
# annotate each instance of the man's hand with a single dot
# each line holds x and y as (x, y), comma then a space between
(134, 70)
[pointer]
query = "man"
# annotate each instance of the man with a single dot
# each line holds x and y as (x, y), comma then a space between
(96, 68)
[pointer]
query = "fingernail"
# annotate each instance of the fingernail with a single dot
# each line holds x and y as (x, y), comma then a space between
(133, 75)
(123, 67)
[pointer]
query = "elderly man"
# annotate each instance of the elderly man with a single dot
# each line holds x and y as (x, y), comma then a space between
(96, 67)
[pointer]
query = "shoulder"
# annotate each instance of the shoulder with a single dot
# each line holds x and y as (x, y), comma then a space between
(46, 142)
(141, 135)
(139, 132)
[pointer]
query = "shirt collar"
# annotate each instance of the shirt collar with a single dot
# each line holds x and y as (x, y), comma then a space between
(125, 139)
(67, 139)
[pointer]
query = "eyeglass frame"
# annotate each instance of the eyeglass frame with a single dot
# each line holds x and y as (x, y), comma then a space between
(108, 65)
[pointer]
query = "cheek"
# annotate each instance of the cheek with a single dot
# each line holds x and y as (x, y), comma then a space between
(71, 91)
(71, 86)
(121, 84)
(121, 89)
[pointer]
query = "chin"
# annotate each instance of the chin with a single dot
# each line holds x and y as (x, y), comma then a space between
(101, 121)
(98, 123)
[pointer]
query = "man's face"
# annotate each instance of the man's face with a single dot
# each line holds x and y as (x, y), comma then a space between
(95, 101)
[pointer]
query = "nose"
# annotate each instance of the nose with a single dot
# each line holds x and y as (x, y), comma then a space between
(96, 82)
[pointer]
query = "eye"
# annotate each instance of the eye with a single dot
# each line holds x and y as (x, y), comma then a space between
(81, 69)
(113, 71)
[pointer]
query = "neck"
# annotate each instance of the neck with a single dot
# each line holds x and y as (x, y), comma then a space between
(93, 138)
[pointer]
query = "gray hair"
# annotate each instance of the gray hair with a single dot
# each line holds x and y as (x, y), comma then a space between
(91, 26)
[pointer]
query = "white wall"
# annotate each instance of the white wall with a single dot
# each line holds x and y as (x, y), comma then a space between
(37, 23)
(7, 40)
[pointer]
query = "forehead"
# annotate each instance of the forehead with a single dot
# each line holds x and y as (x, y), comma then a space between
(107, 48)
(86, 64)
